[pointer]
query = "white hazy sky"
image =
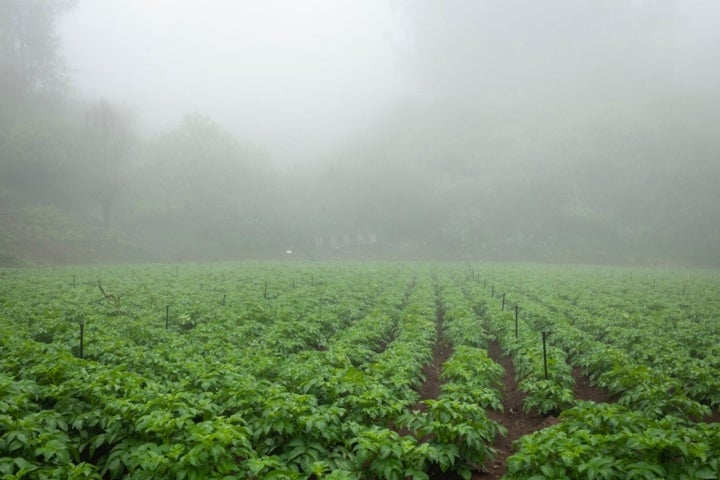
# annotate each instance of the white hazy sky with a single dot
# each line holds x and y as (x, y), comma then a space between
(295, 77)
(300, 77)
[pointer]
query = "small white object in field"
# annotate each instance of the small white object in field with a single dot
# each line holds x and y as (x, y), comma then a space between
(289, 252)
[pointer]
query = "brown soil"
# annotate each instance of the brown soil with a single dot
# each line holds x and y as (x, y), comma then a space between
(585, 391)
(513, 417)
(520, 423)
(714, 417)
(430, 388)
(517, 422)
(441, 352)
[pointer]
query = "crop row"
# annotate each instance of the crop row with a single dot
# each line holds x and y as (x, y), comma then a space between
(307, 371)
(651, 432)
(242, 379)
(657, 390)
(540, 367)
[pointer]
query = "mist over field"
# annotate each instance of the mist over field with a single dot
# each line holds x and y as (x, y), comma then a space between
(556, 131)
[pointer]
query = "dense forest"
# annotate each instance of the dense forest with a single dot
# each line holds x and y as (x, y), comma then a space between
(601, 162)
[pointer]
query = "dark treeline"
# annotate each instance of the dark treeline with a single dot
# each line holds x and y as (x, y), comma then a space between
(447, 176)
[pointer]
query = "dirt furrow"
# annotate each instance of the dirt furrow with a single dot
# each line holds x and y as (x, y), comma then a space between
(431, 386)
(517, 422)
(441, 352)
(585, 391)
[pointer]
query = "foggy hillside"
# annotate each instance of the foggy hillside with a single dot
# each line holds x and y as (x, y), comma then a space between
(557, 131)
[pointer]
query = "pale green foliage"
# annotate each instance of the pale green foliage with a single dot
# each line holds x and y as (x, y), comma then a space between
(317, 375)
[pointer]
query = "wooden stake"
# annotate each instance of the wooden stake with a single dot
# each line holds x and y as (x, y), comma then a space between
(82, 339)
(544, 336)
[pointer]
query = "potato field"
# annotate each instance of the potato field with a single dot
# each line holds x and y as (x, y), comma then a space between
(290, 370)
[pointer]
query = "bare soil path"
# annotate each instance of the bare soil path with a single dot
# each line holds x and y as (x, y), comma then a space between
(441, 352)
(513, 417)
(585, 391)
(517, 422)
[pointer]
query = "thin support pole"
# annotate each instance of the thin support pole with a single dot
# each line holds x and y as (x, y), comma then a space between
(544, 337)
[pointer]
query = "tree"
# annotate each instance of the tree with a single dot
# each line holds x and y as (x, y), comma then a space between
(110, 139)
(37, 133)
(199, 184)
(29, 47)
